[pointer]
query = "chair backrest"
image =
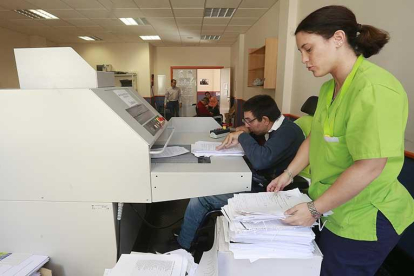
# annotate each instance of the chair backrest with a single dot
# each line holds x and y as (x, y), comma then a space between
(305, 123)
(198, 114)
(309, 107)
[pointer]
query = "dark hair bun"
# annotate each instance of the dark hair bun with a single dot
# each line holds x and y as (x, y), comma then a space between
(370, 40)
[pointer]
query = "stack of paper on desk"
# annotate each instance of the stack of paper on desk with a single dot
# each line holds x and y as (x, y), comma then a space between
(170, 152)
(174, 263)
(254, 226)
(208, 149)
(16, 264)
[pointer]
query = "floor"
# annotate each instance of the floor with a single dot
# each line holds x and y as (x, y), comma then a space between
(161, 240)
(163, 214)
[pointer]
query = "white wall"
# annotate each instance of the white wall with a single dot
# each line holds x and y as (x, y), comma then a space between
(237, 69)
(8, 71)
(286, 53)
(10, 40)
(267, 26)
(165, 57)
(213, 77)
(396, 56)
(127, 57)
(152, 62)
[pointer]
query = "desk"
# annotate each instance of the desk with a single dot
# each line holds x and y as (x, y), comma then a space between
(186, 180)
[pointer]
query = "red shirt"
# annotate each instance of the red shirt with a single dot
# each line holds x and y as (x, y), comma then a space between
(202, 110)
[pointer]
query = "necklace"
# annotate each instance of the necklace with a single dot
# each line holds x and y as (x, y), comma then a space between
(335, 94)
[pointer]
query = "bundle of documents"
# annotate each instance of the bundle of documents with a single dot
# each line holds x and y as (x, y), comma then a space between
(170, 152)
(175, 263)
(208, 149)
(254, 226)
(15, 264)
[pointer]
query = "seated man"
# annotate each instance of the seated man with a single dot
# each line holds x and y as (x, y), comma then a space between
(270, 143)
(212, 104)
(202, 110)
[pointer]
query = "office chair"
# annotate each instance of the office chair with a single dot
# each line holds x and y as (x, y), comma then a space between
(305, 123)
(309, 107)
(204, 237)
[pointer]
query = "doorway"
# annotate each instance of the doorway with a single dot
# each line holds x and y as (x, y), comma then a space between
(194, 81)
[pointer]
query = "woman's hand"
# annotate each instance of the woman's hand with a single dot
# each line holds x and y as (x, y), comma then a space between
(299, 215)
(279, 183)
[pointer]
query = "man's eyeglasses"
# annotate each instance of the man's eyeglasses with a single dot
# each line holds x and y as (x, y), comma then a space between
(247, 121)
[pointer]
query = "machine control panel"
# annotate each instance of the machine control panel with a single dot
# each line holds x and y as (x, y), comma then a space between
(155, 124)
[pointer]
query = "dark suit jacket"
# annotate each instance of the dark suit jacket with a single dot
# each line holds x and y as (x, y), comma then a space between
(269, 160)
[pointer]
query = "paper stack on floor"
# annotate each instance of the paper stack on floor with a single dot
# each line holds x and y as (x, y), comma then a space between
(208, 149)
(174, 263)
(254, 226)
(16, 264)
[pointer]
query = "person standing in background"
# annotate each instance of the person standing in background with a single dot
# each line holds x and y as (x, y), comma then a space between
(172, 99)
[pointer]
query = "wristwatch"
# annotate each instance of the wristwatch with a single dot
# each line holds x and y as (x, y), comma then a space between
(311, 207)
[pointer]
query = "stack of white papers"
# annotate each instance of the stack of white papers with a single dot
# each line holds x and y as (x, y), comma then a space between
(170, 152)
(21, 264)
(254, 226)
(208, 149)
(174, 263)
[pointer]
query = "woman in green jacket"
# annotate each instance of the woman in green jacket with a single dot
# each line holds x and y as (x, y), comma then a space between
(356, 145)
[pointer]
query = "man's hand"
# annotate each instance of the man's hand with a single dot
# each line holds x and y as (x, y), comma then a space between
(299, 215)
(279, 183)
(181, 105)
(243, 128)
(231, 140)
(165, 105)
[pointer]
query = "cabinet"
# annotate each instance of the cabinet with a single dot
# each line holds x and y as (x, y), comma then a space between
(132, 77)
(262, 64)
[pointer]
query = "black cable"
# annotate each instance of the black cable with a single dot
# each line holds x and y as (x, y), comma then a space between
(151, 225)
(120, 206)
(119, 240)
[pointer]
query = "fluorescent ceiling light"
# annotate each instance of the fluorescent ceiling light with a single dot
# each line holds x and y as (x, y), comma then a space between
(37, 14)
(219, 12)
(90, 38)
(150, 37)
(129, 21)
(44, 14)
(134, 21)
(210, 37)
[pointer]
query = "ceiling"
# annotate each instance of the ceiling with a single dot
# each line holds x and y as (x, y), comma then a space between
(177, 22)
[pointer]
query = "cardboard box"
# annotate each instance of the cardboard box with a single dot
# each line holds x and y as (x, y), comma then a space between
(228, 266)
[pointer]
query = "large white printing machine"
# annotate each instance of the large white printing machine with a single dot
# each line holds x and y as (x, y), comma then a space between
(73, 147)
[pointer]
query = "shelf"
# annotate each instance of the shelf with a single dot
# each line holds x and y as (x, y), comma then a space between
(255, 86)
(262, 64)
(258, 51)
(256, 69)
(125, 75)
